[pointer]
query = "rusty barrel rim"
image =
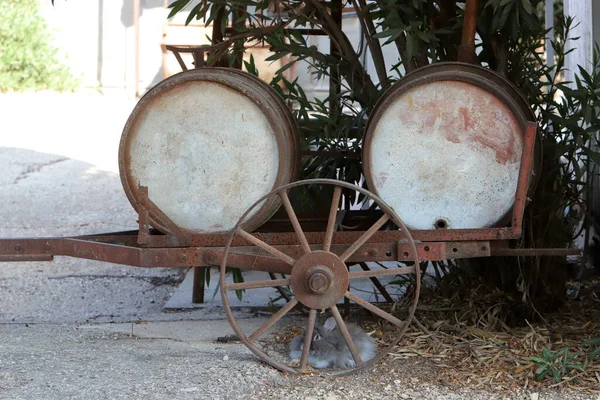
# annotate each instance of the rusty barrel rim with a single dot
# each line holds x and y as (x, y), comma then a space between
(496, 85)
(260, 93)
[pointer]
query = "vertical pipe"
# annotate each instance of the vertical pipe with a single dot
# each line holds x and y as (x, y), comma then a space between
(549, 17)
(334, 76)
(99, 59)
(136, 30)
(466, 51)
(217, 35)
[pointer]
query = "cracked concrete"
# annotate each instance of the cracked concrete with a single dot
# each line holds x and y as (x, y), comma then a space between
(60, 178)
(30, 169)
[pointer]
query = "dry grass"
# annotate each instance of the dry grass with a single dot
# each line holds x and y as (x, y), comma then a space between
(483, 352)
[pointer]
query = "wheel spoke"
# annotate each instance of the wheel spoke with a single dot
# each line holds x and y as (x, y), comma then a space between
(347, 337)
(294, 220)
(375, 310)
(377, 284)
(268, 248)
(337, 193)
(276, 317)
(382, 272)
(257, 284)
(281, 290)
(365, 236)
(312, 316)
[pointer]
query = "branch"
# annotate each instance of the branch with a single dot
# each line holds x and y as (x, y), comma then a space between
(368, 31)
(407, 61)
(221, 47)
(358, 78)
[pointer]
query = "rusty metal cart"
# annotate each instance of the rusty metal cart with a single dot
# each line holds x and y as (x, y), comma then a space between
(208, 156)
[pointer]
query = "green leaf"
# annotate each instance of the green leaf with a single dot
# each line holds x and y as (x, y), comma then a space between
(177, 6)
(251, 66)
(527, 6)
(393, 34)
(277, 56)
(193, 13)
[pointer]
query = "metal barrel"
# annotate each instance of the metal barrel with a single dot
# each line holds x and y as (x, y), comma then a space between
(208, 143)
(443, 147)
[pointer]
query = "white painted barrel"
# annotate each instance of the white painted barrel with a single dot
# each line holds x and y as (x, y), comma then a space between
(208, 143)
(443, 148)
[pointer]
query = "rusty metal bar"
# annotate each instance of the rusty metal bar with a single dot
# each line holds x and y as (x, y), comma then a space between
(375, 310)
(438, 251)
(365, 236)
(440, 235)
(143, 219)
(335, 201)
(523, 182)
(249, 262)
(276, 317)
(290, 238)
(466, 50)
(347, 337)
(312, 316)
(381, 272)
(257, 284)
(161, 218)
(245, 257)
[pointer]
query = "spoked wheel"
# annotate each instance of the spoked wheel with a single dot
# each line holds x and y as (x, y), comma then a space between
(319, 278)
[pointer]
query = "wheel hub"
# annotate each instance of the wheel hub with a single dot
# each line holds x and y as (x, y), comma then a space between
(319, 279)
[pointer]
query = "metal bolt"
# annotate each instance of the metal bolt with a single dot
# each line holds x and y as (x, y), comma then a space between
(319, 279)
(47, 246)
(183, 258)
(210, 257)
(18, 247)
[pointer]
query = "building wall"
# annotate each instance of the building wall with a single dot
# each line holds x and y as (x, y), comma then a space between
(97, 38)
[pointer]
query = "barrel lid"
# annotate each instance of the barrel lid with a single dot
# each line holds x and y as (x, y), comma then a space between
(443, 147)
(208, 143)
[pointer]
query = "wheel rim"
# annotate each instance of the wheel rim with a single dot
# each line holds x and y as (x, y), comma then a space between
(319, 278)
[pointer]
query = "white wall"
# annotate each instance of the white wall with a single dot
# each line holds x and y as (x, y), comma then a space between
(581, 10)
(97, 39)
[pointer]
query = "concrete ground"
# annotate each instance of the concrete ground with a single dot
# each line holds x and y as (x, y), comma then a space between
(78, 329)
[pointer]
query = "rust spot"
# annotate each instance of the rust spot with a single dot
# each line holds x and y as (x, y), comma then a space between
(467, 120)
(429, 120)
(216, 226)
(452, 136)
(381, 179)
(503, 153)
